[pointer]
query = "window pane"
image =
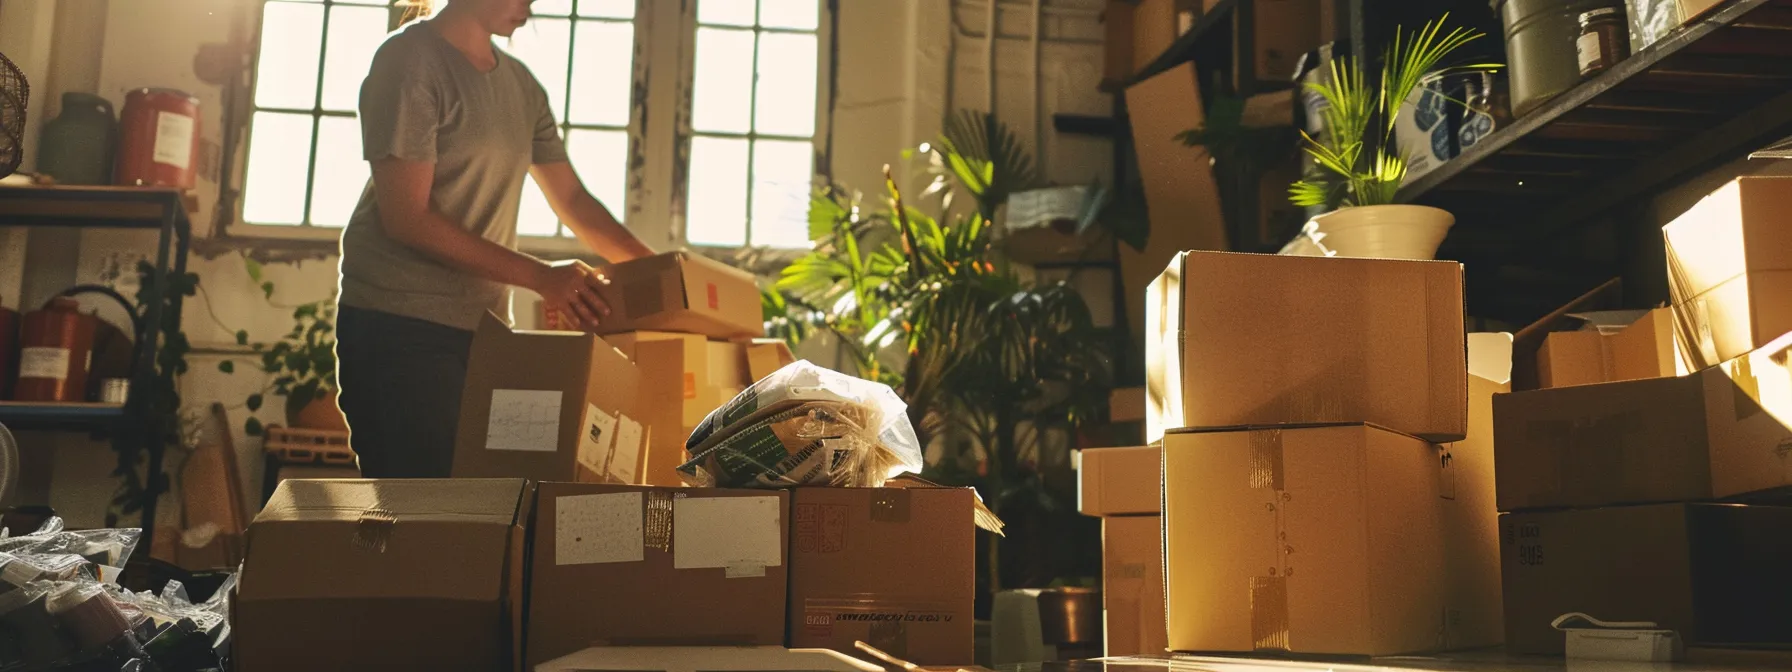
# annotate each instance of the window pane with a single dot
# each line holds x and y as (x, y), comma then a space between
(286, 70)
(359, 2)
(723, 81)
(792, 14)
(355, 33)
(716, 196)
(607, 9)
(782, 173)
(785, 103)
(543, 45)
(725, 12)
(536, 218)
(601, 157)
(551, 8)
(340, 175)
(279, 156)
(604, 64)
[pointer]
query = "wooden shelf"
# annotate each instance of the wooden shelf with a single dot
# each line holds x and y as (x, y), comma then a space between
(29, 415)
(105, 207)
(1710, 92)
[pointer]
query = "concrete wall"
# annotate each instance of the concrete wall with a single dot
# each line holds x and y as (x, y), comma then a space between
(903, 64)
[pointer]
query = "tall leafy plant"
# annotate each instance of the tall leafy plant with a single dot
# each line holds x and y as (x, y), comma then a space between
(1350, 170)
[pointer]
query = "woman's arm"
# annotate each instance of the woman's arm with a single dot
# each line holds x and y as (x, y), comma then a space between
(588, 219)
(402, 189)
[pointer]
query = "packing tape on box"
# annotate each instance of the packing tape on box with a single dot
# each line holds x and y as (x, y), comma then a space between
(1266, 459)
(1269, 594)
(890, 505)
(1589, 450)
(657, 528)
(1269, 613)
(374, 530)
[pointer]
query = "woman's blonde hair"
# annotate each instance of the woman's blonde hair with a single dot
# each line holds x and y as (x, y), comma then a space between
(418, 9)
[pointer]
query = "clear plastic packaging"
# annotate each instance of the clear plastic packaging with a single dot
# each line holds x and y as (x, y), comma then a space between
(805, 425)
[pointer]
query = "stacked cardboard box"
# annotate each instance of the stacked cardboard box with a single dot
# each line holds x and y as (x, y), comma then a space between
(1618, 494)
(1123, 486)
(1306, 505)
(502, 574)
(571, 406)
(1644, 348)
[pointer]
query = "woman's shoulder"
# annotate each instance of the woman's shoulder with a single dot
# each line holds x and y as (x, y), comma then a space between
(413, 45)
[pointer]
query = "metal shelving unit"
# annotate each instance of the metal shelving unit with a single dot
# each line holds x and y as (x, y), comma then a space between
(131, 425)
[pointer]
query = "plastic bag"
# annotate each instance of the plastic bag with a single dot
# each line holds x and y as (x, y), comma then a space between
(805, 425)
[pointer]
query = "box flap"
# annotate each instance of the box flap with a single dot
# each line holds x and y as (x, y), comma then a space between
(463, 500)
(1490, 356)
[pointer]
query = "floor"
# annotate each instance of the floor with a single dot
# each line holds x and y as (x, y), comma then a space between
(1698, 660)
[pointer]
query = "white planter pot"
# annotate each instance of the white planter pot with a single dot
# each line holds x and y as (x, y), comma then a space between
(1379, 231)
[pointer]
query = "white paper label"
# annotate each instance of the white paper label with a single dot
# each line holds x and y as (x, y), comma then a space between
(595, 437)
(627, 456)
(524, 420)
(1587, 49)
(174, 140)
(51, 363)
(593, 529)
(726, 532)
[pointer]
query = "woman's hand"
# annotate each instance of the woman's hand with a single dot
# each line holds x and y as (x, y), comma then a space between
(572, 287)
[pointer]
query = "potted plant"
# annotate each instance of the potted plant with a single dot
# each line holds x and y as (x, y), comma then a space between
(1359, 181)
(301, 366)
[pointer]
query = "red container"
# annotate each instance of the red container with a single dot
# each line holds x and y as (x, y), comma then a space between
(158, 140)
(9, 349)
(55, 344)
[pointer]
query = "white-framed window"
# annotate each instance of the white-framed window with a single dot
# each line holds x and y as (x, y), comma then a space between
(751, 89)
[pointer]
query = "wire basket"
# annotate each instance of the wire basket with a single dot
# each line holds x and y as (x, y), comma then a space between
(15, 94)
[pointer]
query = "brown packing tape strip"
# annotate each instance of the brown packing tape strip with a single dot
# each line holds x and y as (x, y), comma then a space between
(657, 528)
(1266, 459)
(890, 505)
(1269, 613)
(374, 531)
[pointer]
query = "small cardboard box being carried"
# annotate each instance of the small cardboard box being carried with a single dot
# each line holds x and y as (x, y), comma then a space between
(548, 406)
(1721, 432)
(384, 575)
(1714, 573)
(1730, 269)
(1255, 339)
(682, 292)
(1323, 539)
(892, 567)
(616, 565)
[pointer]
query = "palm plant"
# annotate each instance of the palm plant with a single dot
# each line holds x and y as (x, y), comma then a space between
(927, 305)
(1349, 174)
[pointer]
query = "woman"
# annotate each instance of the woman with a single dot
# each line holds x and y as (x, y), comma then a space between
(451, 125)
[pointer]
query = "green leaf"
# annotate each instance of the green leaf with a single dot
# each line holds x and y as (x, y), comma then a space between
(227, 366)
(253, 402)
(242, 337)
(267, 290)
(252, 427)
(253, 267)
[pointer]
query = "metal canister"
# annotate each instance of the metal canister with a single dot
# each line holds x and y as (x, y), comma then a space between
(115, 390)
(55, 345)
(1540, 47)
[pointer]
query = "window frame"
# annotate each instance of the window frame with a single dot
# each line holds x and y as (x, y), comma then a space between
(655, 193)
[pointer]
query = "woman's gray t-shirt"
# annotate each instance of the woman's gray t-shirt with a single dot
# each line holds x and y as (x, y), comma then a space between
(424, 101)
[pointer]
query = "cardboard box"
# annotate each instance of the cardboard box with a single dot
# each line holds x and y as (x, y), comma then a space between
(548, 405)
(1120, 481)
(615, 565)
(698, 368)
(1153, 30)
(684, 292)
(1132, 585)
(1573, 358)
(1721, 432)
(384, 575)
(1322, 539)
(1471, 542)
(765, 356)
(1251, 339)
(1285, 31)
(1714, 573)
(1730, 269)
(1182, 200)
(892, 567)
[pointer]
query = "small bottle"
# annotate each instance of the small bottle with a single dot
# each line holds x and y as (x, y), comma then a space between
(1604, 40)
